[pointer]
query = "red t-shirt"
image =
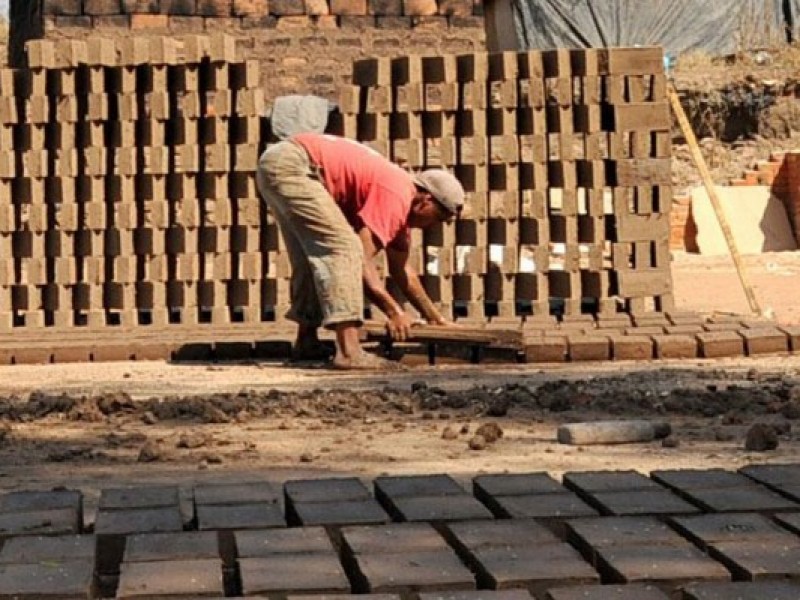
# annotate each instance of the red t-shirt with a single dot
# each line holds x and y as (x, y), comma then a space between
(370, 190)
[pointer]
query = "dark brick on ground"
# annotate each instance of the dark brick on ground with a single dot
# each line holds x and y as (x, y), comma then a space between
(177, 578)
(778, 475)
(755, 560)
(60, 521)
(319, 573)
(516, 484)
(341, 597)
(478, 595)
(325, 490)
(790, 491)
(536, 569)
(704, 530)
(549, 509)
(239, 493)
(295, 540)
(753, 498)
(239, 516)
(35, 501)
(59, 580)
(588, 535)
(607, 481)
(640, 502)
(410, 572)
(344, 512)
(437, 508)
(607, 592)
(416, 485)
(392, 538)
(187, 545)
(761, 590)
(471, 535)
(34, 549)
(689, 479)
(790, 521)
(135, 498)
(667, 566)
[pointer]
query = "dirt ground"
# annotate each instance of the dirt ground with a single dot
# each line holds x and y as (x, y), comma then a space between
(96, 426)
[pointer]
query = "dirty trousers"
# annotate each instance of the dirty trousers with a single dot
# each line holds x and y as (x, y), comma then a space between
(324, 251)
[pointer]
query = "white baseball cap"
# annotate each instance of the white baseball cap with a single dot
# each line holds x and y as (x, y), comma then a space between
(444, 187)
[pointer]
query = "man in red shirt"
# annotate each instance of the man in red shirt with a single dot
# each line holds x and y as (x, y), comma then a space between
(338, 203)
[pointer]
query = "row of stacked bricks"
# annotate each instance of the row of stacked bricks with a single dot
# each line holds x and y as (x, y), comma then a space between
(129, 196)
(565, 156)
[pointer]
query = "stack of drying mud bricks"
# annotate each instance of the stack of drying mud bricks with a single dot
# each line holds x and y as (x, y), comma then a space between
(595, 535)
(565, 156)
(127, 184)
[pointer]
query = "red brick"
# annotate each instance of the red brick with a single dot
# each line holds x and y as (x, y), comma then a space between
(588, 347)
(146, 21)
(358, 22)
(61, 7)
(282, 8)
(348, 7)
(719, 344)
(250, 8)
(180, 24)
(140, 6)
(675, 346)
(178, 7)
(417, 8)
(112, 22)
(553, 349)
(214, 8)
(632, 347)
(102, 7)
(317, 7)
(766, 340)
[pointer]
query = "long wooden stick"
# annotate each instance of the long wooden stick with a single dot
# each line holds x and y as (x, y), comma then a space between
(708, 182)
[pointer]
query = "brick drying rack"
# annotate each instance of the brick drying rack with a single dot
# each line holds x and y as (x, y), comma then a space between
(130, 225)
(697, 534)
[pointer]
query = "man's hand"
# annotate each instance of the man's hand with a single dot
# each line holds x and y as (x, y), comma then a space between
(399, 326)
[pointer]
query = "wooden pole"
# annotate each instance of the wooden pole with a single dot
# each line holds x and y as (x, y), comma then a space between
(708, 182)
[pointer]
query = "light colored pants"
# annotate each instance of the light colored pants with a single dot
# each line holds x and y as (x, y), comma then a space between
(324, 251)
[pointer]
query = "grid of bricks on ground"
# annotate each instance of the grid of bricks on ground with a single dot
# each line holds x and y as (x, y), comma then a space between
(129, 195)
(594, 534)
(565, 158)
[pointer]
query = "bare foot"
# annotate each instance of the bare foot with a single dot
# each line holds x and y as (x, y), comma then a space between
(315, 352)
(366, 362)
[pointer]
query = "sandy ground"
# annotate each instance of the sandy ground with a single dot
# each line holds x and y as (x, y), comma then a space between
(375, 434)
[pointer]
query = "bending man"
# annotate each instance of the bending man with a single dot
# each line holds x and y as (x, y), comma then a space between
(338, 203)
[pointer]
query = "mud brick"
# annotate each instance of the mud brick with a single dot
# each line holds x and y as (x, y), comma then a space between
(607, 592)
(720, 344)
(550, 509)
(214, 8)
(675, 346)
(704, 530)
(57, 521)
(545, 350)
(318, 573)
(235, 493)
(775, 476)
(757, 590)
(296, 540)
(717, 327)
(133, 498)
(515, 484)
(587, 535)
(36, 549)
(325, 490)
(387, 488)
(262, 515)
(588, 347)
(793, 333)
(790, 521)
(644, 330)
(342, 512)
(385, 8)
(35, 501)
(190, 545)
(755, 560)
(682, 479)
(766, 340)
(437, 508)
(250, 8)
(667, 566)
(101, 7)
(470, 536)
(631, 347)
(740, 499)
(394, 538)
(537, 568)
(477, 595)
(61, 7)
(282, 8)
(60, 580)
(640, 502)
(111, 528)
(410, 572)
(608, 481)
(684, 329)
(171, 578)
(340, 597)
(178, 7)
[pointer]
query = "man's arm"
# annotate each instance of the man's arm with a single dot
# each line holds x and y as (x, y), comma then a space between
(409, 283)
(399, 322)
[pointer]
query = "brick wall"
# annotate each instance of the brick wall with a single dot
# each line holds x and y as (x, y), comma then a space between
(305, 46)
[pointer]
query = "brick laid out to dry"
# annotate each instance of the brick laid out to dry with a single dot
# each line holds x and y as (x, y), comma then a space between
(338, 501)
(431, 498)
